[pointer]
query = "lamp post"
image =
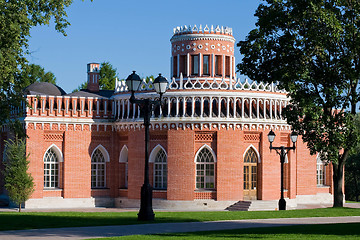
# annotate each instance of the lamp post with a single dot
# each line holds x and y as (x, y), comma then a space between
(282, 151)
(160, 84)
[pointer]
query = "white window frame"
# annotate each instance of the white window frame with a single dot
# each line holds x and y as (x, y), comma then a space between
(153, 158)
(123, 158)
(160, 170)
(206, 166)
(320, 172)
(100, 180)
(52, 168)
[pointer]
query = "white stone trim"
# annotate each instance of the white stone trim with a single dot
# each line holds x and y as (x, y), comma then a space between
(255, 150)
(103, 151)
(122, 157)
(209, 148)
(155, 150)
(57, 151)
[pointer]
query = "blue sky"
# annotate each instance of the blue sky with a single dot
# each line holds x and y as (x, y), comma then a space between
(131, 35)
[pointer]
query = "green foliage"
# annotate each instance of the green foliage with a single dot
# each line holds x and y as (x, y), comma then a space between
(18, 182)
(16, 20)
(81, 86)
(35, 73)
(107, 78)
(313, 49)
(352, 169)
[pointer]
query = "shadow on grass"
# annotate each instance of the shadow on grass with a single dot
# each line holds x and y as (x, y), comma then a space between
(37, 220)
(284, 232)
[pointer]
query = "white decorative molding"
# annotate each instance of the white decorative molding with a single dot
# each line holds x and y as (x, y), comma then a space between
(123, 158)
(57, 151)
(103, 151)
(195, 29)
(255, 150)
(154, 152)
(209, 148)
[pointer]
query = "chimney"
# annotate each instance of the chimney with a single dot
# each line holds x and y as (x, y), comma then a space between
(93, 71)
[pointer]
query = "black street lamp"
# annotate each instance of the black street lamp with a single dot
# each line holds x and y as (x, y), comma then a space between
(160, 84)
(282, 151)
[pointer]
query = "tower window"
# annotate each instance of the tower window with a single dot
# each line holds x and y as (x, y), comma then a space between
(175, 66)
(227, 66)
(183, 65)
(195, 65)
(206, 66)
(218, 64)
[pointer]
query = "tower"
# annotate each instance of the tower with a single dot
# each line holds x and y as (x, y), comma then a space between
(93, 71)
(202, 52)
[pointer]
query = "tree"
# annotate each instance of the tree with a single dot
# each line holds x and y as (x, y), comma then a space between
(16, 20)
(35, 73)
(18, 182)
(107, 78)
(312, 48)
(352, 169)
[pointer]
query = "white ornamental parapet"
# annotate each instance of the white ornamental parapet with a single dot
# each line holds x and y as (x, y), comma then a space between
(206, 84)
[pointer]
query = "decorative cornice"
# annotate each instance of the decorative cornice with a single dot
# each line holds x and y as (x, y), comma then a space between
(195, 37)
(155, 125)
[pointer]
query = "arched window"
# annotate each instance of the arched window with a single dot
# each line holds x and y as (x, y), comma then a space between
(320, 171)
(51, 169)
(160, 170)
(124, 160)
(250, 172)
(205, 169)
(97, 169)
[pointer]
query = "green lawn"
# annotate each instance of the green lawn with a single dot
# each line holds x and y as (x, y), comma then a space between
(325, 231)
(30, 220)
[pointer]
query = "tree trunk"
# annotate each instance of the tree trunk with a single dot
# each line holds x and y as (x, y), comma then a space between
(19, 207)
(338, 174)
(356, 189)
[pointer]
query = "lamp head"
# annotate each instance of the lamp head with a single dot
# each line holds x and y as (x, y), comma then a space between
(160, 84)
(293, 136)
(271, 136)
(133, 82)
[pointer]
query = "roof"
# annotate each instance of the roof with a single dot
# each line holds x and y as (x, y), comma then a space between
(86, 93)
(44, 88)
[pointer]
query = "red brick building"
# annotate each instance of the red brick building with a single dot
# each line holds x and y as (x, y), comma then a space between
(208, 140)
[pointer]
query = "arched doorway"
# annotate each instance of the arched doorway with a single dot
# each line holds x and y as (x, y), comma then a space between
(250, 175)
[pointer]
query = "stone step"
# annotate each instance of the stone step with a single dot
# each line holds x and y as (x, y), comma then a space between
(239, 206)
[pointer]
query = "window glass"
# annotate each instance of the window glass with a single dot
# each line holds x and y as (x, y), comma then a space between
(195, 65)
(160, 170)
(206, 65)
(97, 170)
(205, 170)
(51, 170)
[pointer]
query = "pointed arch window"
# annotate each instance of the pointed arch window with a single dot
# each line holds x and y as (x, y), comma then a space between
(98, 167)
(205, 170)
(250, 170)
(160, 170)
(124, 161)
(51, 169)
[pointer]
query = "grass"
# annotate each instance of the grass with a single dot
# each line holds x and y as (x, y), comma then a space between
(321, 231)
(31, 220)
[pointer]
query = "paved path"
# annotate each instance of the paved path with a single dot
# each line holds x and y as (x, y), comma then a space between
(111, 231)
